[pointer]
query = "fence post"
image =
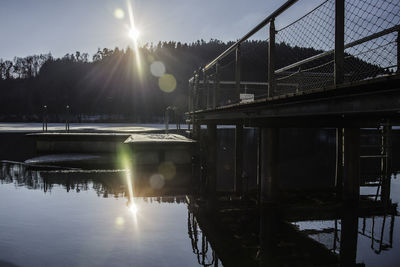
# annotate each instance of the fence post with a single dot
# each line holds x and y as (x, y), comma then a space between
(190, 109)
(398, 52)
(196, 91)
(207, 89)
(237, 75)
(166, 119)
(339, 42)
(216, 86)
(271, 59)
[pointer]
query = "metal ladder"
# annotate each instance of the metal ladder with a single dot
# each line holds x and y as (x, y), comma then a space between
(382, 157)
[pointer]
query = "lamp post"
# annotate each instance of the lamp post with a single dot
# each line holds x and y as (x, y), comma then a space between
(44, 124)
(67, 118)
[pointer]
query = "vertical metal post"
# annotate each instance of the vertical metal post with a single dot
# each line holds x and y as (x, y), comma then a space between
(196, 92)
(67, 119)
(45, 117)
(190, 95)
(398, 51)
(259, 162)
(166, 119)
(216, 86)
(239, 159)
(339, 42)
(269, 164)
(351, 181)
(207, 88)
(271, 59)
(237, 75)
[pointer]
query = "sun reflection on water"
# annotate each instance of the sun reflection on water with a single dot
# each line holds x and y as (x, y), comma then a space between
(133, 208)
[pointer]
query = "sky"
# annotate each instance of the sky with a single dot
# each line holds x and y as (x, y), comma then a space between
(64, 26)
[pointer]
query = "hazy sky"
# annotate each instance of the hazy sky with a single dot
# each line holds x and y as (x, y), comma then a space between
(64, 26)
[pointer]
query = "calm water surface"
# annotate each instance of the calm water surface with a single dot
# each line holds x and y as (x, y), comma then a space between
(86, 219)
(83, 228)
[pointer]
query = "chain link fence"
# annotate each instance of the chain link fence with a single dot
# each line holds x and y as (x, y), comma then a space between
(371, 44)
(304, 55)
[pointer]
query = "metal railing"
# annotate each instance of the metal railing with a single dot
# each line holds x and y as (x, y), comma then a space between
(338, 41)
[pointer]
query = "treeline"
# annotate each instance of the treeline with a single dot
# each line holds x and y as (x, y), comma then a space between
(118, 84)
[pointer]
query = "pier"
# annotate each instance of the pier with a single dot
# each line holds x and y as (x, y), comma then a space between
(309, 93)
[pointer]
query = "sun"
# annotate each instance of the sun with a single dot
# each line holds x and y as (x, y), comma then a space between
(134, 34)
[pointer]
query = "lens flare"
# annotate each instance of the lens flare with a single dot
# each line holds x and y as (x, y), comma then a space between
(119, 13)
(157, 181)
(119, 221)
(167, 169)
(157, 68)
(167, 83)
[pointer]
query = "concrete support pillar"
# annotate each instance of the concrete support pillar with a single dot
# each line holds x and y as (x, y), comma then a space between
(239, 159)
(351, 179)
(268, 236)
(211, 165)
(196, 130)
(339, 161)
(269, 164)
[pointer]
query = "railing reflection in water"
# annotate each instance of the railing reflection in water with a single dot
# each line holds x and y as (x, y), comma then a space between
(376, 226)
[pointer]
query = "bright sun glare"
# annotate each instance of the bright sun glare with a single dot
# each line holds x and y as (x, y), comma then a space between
(134, 34)
(133, 208)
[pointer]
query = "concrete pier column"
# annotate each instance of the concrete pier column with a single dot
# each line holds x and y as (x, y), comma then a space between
(339, 161)
(211, 165)
(269, 164)
(196, 130)
(238, 159)
(351, 168)
(268, 235)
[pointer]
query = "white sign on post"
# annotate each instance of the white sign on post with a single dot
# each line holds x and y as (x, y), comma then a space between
(246, 98)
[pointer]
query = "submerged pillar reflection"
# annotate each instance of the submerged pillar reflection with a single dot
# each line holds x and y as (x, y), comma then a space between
(348, 237)
(211, 181)
(351, 181)
(269, 164)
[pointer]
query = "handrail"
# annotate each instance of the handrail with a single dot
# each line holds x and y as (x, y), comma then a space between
(267, 20)
(360, 41)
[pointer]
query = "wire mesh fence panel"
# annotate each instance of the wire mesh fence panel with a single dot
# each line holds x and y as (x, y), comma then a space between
(365, 17)
(377, 56)
(307, 37)
(371, 44)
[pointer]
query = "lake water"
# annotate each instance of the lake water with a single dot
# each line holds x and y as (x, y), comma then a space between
(97, 217)
(83, 225)
(74, 218)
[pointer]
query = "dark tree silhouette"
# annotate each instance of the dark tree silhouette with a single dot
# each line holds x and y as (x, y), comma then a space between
(113, 87)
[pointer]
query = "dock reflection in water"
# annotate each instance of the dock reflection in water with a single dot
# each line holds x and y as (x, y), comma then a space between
(72, 218)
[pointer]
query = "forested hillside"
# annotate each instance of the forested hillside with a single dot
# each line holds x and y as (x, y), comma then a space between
(120, 84)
